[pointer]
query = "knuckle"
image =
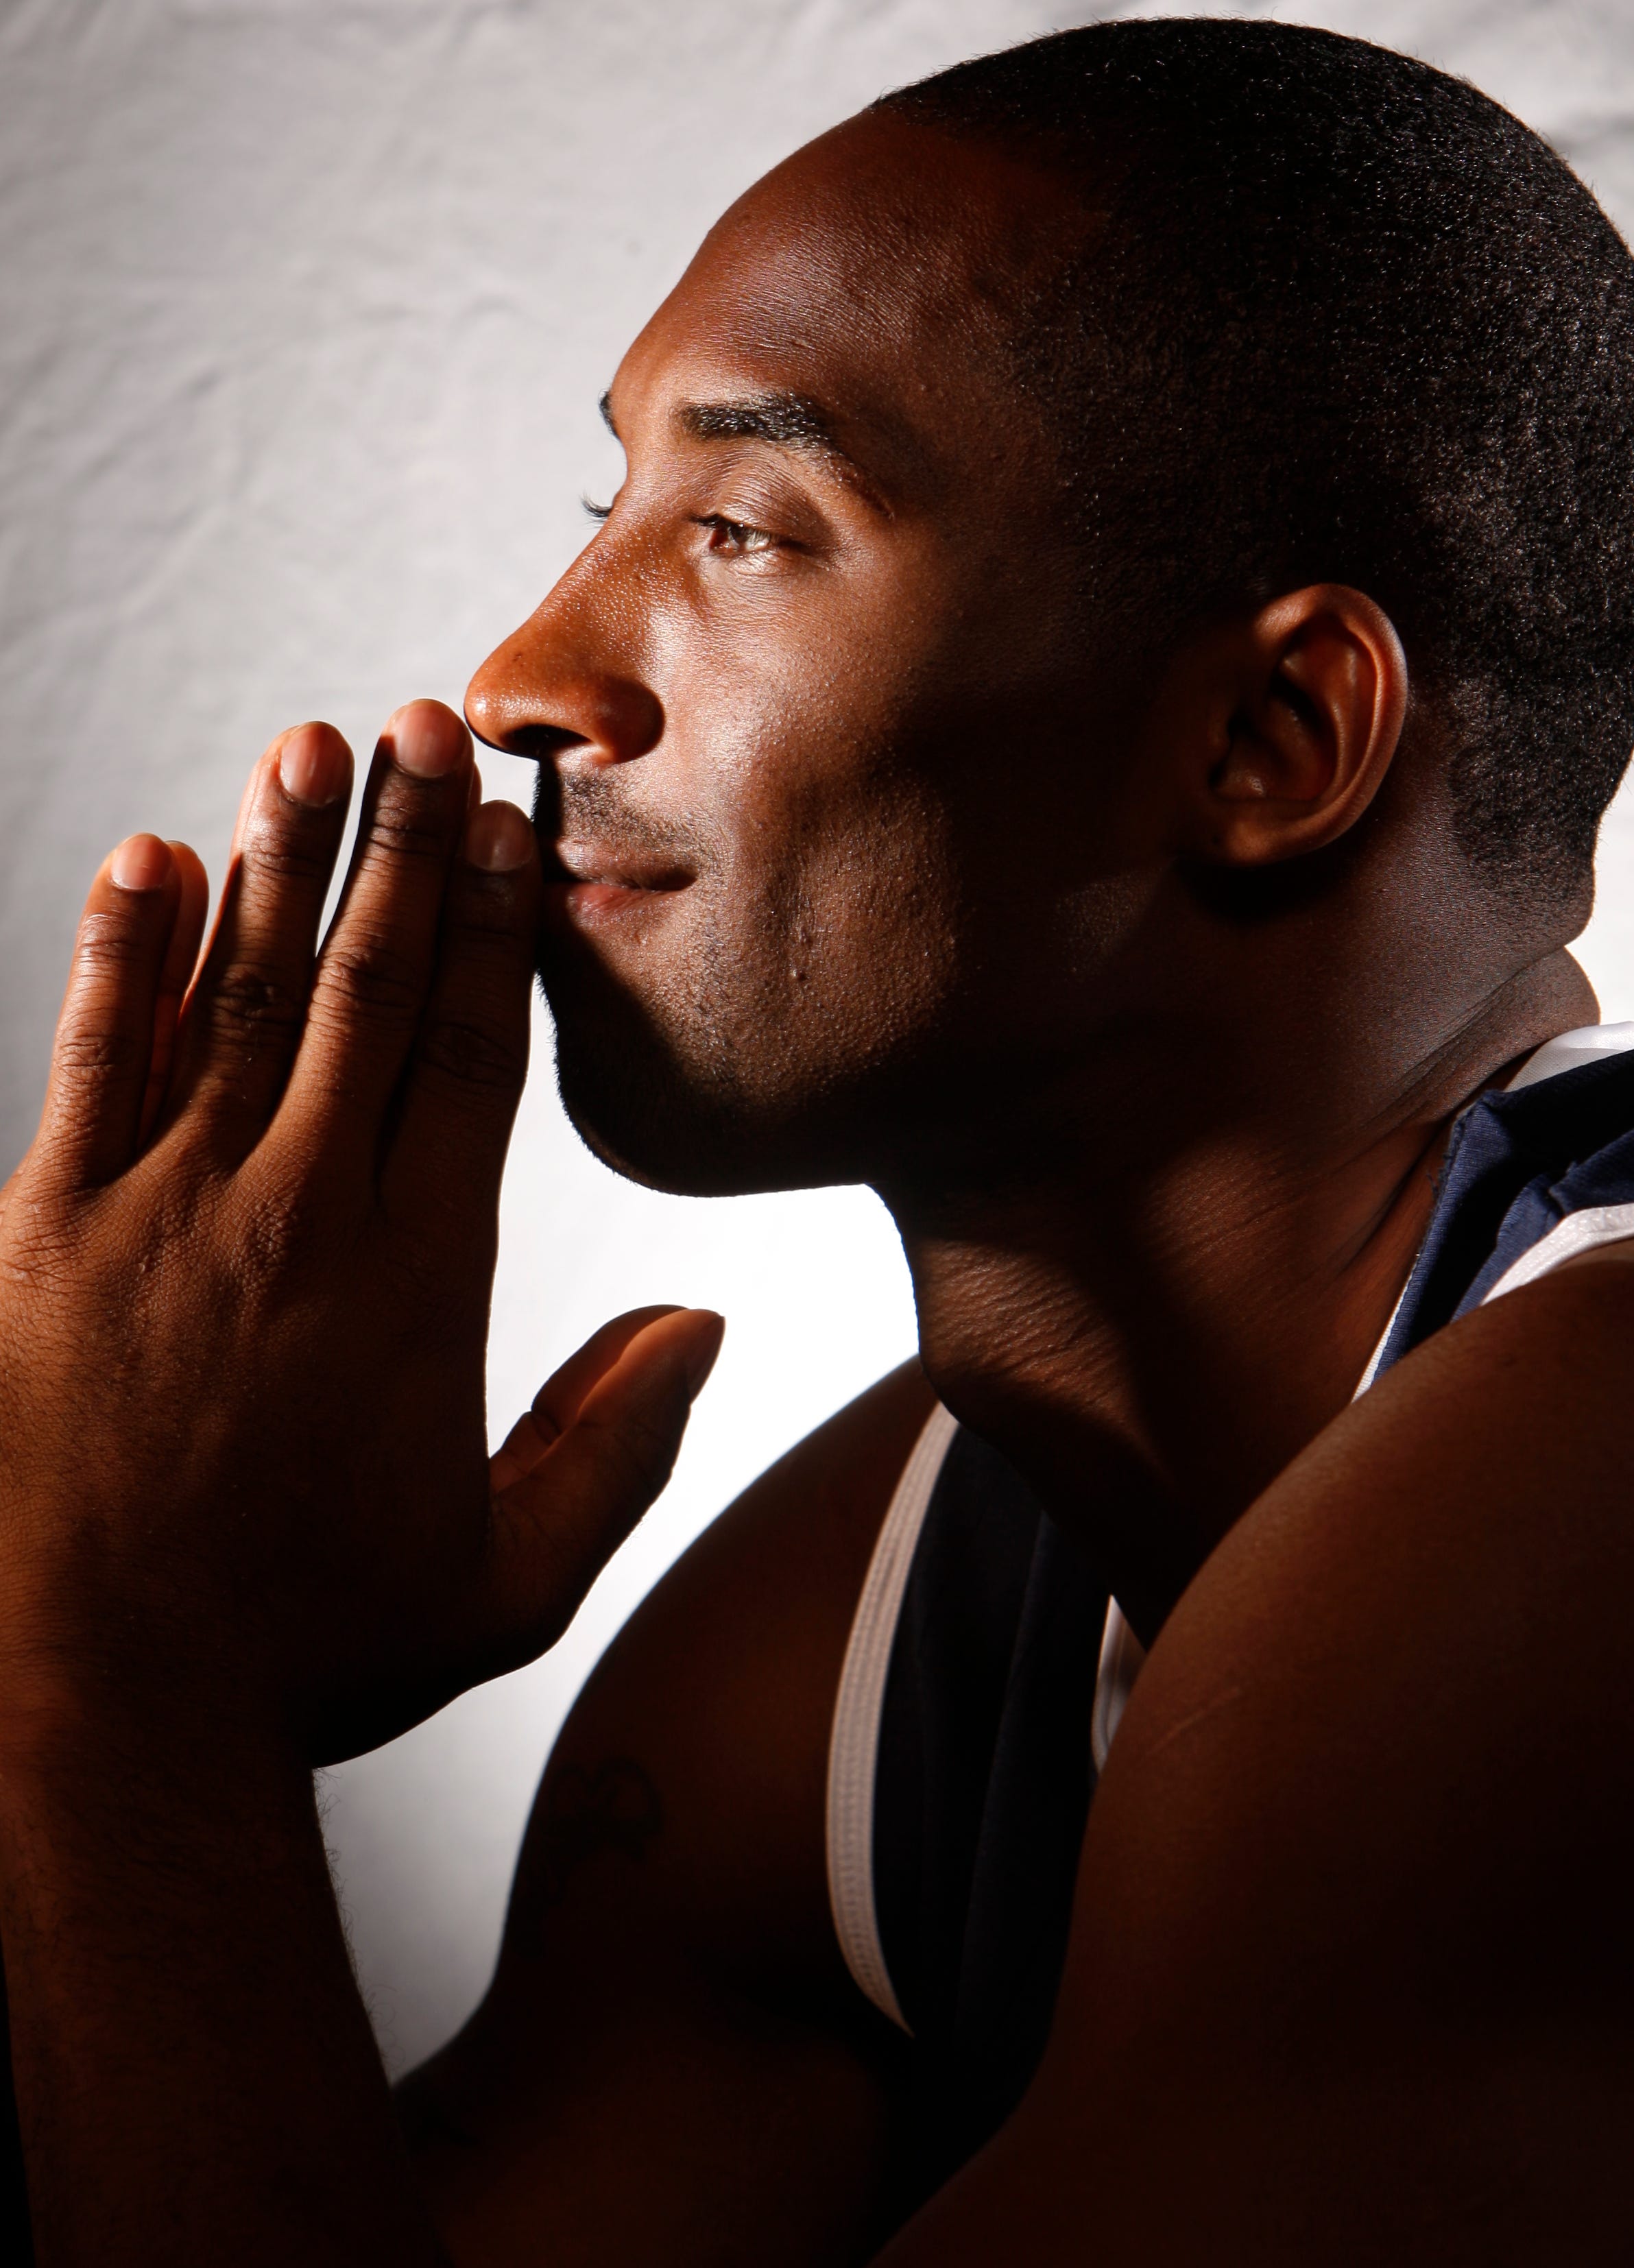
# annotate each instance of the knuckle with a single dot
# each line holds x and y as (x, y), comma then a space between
(370, 978)
(249, 1004)
(401, 828)
(101, 1051)
(469, 1054)
(279, 853)
(109, 944)
(282, 1224)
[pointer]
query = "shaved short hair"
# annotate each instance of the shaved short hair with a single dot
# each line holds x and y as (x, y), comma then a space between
(1337, 317)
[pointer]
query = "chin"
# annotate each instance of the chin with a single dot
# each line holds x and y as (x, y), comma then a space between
(700, 1087)
(645, 1119)
(654, 1117)
(716, 1121)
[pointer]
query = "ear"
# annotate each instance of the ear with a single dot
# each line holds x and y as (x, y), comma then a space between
(1288, 724)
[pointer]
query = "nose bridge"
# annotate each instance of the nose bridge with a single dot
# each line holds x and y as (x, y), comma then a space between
(574, 674)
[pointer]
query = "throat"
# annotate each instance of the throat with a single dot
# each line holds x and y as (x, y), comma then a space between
(1151, 1349)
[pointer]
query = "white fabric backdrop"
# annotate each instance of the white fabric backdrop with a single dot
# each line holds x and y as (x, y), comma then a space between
(304, 306)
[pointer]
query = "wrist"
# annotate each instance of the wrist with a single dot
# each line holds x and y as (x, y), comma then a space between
(186, 2028)
(94, 1666)
(92, 1744)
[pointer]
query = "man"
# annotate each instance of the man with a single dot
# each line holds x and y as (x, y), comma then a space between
(1089, 710)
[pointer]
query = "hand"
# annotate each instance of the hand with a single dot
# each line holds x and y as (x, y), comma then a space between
(244, 1272)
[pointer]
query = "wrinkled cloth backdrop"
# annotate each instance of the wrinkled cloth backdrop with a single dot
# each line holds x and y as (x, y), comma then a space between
(304, 306)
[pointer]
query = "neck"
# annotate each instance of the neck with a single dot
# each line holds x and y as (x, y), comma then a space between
(1152, 1308)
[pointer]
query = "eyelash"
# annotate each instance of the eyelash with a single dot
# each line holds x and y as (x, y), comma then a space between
(736, 530)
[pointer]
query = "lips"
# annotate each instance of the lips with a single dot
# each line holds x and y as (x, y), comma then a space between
(593, 882)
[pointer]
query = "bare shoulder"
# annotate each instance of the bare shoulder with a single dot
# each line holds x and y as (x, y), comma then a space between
(1350, 1978)
(1432, 1606)
(669, 1981)
(708, 1719)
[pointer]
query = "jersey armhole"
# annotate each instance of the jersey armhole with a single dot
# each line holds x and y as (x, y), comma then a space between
(854, 1740)
(859, 1706)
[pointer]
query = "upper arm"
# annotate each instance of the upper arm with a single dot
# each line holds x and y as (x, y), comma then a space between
(672, 2060)
(1350, 1978)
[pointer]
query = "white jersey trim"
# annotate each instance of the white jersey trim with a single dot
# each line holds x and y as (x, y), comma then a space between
(1121, 1657)
(854, 1742)
(1570, 1051)
(1579, 1232)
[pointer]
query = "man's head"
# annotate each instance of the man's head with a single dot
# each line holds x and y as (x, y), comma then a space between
(993, 650)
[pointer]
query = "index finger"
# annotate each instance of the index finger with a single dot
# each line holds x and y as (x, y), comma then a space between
(374, 974)
(459, 1094)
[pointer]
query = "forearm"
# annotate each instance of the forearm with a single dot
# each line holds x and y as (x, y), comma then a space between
(195, 2073)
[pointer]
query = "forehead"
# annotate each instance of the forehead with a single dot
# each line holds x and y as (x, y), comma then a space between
(876, 274)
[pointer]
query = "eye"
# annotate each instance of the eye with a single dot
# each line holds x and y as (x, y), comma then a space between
(597, 512)
(736, 539)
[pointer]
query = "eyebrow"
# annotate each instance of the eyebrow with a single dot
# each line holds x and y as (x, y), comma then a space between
(788, 421)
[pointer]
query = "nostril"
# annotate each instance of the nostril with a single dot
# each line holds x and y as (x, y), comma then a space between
(541, 743)
(508, 706)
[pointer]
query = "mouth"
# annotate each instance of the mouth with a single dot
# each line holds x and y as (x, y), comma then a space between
(590, 883)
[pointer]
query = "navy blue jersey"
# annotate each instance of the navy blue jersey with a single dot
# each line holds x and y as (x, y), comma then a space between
(988, 1664)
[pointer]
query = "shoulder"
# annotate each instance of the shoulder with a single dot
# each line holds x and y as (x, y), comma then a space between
(670, 1995)
(1349, 1976)
(1453, 1554)
(688, 1780)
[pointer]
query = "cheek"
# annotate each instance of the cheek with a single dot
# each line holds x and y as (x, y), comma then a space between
(833, 921)
(805, 759)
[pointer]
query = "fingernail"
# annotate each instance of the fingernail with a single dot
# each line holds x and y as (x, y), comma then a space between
(426, 741)
(314, 766)
(704, 1349)
(141, 862)
(497, 839)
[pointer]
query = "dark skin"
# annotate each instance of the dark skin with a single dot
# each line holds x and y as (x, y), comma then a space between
(1143, 981)
(690, 1977)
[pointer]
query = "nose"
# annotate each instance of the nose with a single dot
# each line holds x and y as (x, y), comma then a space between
(556, 692)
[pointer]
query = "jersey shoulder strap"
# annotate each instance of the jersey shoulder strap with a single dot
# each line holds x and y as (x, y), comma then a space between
(1535, 1172)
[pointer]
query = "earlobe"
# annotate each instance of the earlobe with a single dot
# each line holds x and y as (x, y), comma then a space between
(1307, 717)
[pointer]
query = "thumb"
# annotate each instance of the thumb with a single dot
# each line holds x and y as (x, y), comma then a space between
(595, 1451)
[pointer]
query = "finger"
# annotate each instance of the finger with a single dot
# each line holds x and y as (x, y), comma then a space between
(561, 1396)
(103, 1044)
(470, 1058)
(376, 968)
(241, 1022)
(180, 961)
(558, 1522)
